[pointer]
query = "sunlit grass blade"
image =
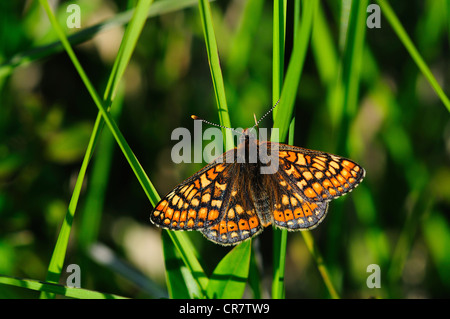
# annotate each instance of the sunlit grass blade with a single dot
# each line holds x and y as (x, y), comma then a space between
(409, 45)
(187, 254)
(229, 278)
(180, 240)
(278, 42)
(278, 47)
(320, 264)
(216, 71)
(437, 237)
(53, 288)
(180, 281)
(292, 79)
(282, 120)
(351, 69)
(57, 260)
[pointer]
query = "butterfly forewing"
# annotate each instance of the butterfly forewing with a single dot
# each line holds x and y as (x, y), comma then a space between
(197, 202)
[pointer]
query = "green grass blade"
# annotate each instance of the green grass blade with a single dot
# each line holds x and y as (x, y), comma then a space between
(92, 211)
(351, 69)
(180, 241)
(320, 264)
(229, 278)
(91, 221)
(324, 49)
(181, 283)
(279, 37)
(59, 252)
(186, 250)
(409, 45)
(57, 260)
(292, 79)
(254, 275)
(279, 235)
(53, 288)
(216, 71)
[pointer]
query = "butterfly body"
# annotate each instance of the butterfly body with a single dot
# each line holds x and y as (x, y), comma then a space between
(255, 185)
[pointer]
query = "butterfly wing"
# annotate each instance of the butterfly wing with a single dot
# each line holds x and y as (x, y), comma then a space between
(240, 220)
(291, 211)
(318, 176)
(197, 202)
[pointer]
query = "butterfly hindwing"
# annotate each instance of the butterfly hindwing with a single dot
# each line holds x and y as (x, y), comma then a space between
(240, 220)
(291, 211)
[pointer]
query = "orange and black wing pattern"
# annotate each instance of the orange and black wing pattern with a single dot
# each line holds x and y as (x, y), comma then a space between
(318, 176)
(196, 203)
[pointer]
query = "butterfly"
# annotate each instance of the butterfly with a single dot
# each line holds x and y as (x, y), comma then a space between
(235, 196)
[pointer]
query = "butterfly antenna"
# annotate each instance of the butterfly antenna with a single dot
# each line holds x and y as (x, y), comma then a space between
(195, 117)
(256, 121)
(267, 113)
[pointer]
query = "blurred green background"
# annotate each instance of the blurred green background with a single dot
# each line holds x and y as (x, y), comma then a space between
(400, 133)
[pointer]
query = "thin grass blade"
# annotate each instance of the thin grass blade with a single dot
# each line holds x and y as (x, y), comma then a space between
(415, 55)
(216, 71)
(53, 288)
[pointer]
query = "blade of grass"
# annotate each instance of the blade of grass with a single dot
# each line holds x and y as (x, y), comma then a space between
(92, 211)
(279, 235)
(180, 240)
(216, 71)
(254, 275)
(415, 55)
(344, 108)
(309, 240)
(186, 250)
(292, 79)
(56, 289)
(229, 278)
(352, 61)
(107, 258)
(288, 96)
(279, 37)
(180, 281)
(57, 259)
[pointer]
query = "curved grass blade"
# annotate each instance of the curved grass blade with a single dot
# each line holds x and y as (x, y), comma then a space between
(180, 281)
(180, 240)
(57, 260)
(279, 235)
(294, 71)
(309, 240)
(56, 289)
(216, 71)
(409, 45)
(351, 69)
(230, 276)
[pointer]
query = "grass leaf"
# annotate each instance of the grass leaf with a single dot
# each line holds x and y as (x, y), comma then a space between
(53, 288)
(230, 276)
(409, 45)
(216, 71)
